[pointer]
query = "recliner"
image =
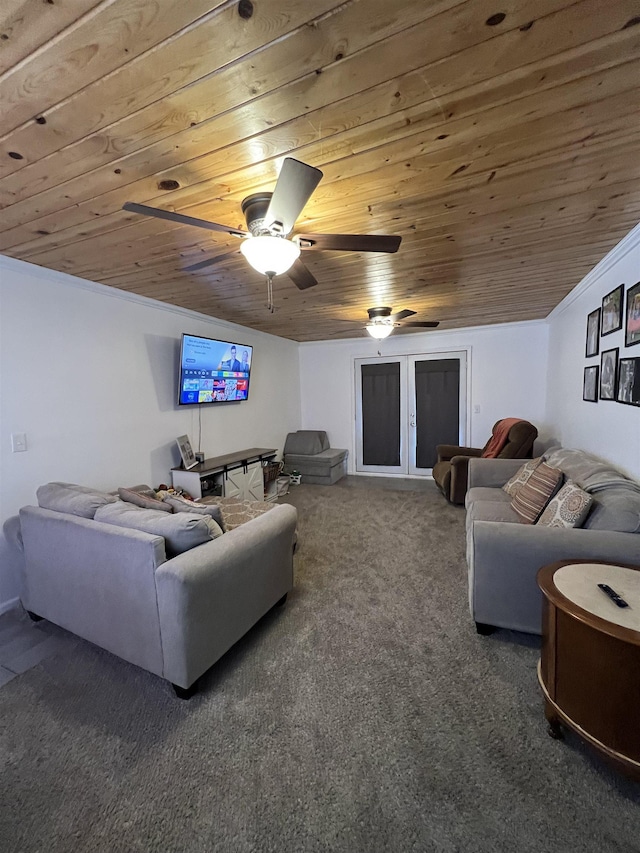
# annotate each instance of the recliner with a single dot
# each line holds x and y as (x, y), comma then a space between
(451, 470)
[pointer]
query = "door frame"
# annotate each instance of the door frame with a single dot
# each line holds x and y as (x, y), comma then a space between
(407, 454)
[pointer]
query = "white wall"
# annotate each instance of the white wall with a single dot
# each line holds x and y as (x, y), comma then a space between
(90, 375)
(607, 428)
(508, 372)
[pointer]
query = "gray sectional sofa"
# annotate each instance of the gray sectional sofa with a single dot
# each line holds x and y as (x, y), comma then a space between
(504, 555)
(152, 600)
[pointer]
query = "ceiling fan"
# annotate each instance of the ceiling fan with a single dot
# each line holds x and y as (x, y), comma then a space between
(382, 322)
(270, 218)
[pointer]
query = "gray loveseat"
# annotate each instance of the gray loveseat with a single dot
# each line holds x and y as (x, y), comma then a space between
(130, 592)
(504, 555)
(308, 451)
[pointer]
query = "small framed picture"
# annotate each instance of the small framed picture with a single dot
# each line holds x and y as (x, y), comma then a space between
(629, 381)
(590, 384)
(612, 311)
(186, 451)
(632, 317)
(593, 333)
(609, 374)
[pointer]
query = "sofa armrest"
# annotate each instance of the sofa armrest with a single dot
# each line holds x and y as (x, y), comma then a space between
(446, 452)
(505, 557)
(210, 596)
(492, 472)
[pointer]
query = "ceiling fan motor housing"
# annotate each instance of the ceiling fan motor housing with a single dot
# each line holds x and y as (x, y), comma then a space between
(379, 313)
(254, 208)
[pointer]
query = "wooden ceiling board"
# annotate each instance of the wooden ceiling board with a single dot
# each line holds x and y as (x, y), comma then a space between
(500, 143)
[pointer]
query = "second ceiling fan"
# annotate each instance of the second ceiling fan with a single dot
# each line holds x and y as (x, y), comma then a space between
(270, 219)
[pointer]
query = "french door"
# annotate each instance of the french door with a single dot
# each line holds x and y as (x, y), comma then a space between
(405, 406)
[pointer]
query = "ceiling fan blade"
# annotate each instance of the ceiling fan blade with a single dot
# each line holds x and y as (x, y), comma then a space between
(301, 276)
(350, 242)
(293, 189)
(145, 210)
(425, 324)
(401, 315)
(210, 261)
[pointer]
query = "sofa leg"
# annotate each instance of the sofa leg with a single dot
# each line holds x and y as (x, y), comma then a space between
(483, 629)
(34, 616)
(185, 692)
(282, 600)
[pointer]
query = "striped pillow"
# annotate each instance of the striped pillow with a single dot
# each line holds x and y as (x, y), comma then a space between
(536, 493)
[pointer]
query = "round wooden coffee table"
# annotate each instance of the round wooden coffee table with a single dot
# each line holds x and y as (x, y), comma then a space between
(589, 668)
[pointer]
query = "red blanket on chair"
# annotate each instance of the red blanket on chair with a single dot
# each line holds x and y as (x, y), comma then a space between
(499, 437)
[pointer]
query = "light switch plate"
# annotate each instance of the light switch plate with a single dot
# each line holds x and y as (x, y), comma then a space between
(18, 442)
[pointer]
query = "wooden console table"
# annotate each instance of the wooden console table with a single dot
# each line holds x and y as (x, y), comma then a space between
(232, 475)
(589, 669)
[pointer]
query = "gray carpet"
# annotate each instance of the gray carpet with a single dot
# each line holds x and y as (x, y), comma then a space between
(366, 715)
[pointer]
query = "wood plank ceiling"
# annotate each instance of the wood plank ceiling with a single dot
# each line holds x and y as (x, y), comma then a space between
(499, 138)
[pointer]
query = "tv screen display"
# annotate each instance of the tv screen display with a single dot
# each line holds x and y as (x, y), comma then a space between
(213, 371)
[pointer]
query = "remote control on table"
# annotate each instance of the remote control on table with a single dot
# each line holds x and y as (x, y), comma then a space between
(613, 595)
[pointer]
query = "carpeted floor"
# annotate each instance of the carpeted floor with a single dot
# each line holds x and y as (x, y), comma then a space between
(365, 716)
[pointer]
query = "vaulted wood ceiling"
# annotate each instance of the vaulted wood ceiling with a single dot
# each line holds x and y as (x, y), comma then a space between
(499, 138)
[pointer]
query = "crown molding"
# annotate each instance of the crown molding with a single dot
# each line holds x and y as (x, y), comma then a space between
(619, 251)
(68, 280)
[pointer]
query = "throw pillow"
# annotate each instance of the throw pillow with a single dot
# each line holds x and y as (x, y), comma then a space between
(531, 499)
(568, 508)
(139, 499)
(180, 504)
(521, 476)
(181, 531)
(76, 500)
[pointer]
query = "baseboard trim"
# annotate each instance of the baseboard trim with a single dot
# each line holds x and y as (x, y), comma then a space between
(8, 605)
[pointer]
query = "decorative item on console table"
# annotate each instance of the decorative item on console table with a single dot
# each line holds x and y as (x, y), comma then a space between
(589, 668)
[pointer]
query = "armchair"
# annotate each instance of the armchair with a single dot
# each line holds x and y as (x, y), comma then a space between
(510, 439)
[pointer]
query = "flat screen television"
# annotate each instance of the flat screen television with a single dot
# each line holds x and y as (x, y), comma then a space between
(213, 371)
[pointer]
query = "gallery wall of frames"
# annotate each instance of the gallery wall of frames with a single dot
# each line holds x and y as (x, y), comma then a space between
(613, 372)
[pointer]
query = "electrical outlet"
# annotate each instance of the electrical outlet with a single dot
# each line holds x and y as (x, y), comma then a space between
(18, 442)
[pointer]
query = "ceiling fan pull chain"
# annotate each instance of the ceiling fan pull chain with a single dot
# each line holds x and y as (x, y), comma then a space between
(270, 304)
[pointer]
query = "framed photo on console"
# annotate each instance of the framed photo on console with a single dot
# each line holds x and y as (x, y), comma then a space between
(593, 333)
(186, 451)
(632, 318)
(609, 374)
(629, 381)
(612, 310)
(590, 384)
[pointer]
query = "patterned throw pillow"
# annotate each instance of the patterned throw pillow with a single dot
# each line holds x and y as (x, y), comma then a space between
(568, 508)
(521, 476)
(531, 499)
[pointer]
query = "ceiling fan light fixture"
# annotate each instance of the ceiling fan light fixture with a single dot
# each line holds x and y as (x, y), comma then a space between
(270, 255)
(379, 331)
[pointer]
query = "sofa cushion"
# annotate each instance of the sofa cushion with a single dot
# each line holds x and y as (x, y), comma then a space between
(71, 498)
(616, 509)
(143, 500)
(489, 510)
(486, 493)
(512, 486)
(181, 531)
(531, 499)
(306, 441)
(589, 472)
(568, 508)
(180, 504)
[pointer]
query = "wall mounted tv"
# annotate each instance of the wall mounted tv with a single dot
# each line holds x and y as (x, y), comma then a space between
(213, 371)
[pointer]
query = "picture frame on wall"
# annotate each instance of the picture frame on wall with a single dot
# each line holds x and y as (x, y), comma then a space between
(632, 317)
(593, 333)
(612, 310)
(629, 381)
(590, 384)
(609, 374)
